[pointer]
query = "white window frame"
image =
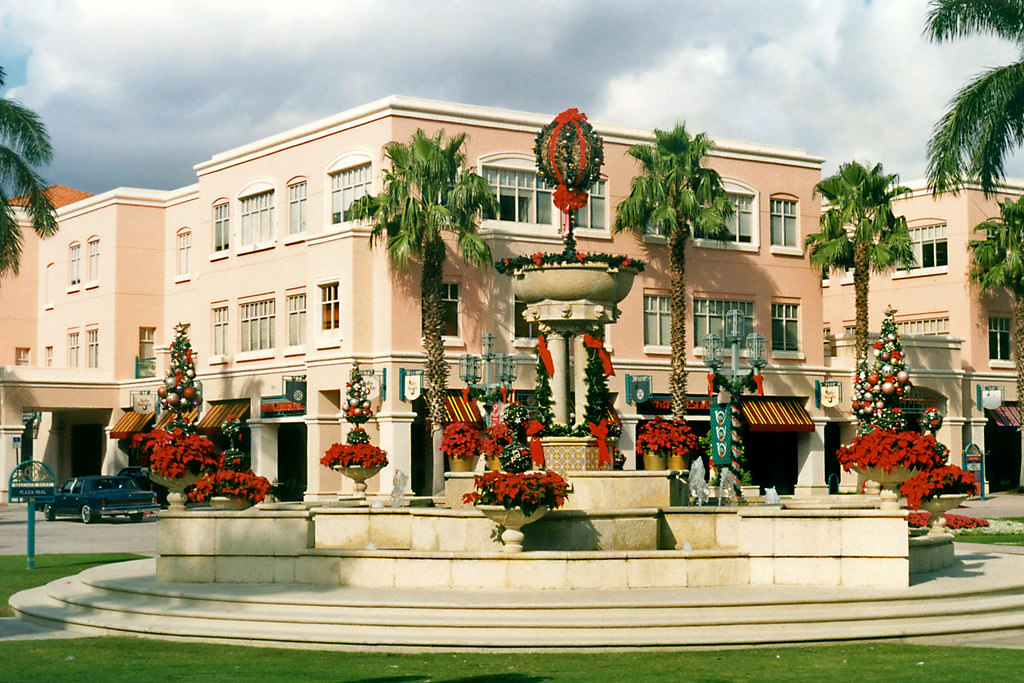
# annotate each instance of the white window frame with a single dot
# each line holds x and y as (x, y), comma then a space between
(922, 236)
(522, 185)
(73, 340)
(256, 213)
(147, 340)
(92, 345)
(49, 356)
(739, 193)
(22, 355)
(297, 208)
(219, 327)
(183, 253)
(93, 247)
(787, 315)
(256, 322)
(712, 312)
(330, 310)
(596, 208)
(1000, 326)
(75, 265)
(347, 185)
(657, 309)
(778, 237)
(447, 288)
(521, 324)
(296, 304)
(222, 227)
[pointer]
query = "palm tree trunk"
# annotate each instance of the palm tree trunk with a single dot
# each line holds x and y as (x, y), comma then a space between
(677, 305)
(1018, 346)
(861, 275)
(436, 373)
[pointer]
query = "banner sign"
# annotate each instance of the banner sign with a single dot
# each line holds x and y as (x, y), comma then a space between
(721, 434)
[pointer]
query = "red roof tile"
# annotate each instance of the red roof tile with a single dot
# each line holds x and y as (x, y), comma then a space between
(60, 195)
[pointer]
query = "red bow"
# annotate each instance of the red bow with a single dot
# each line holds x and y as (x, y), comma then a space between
(534, 427)
(711, 384)
(759, 381)
(504, 394)
(545, 355)
(465, 394)
(601, 432)
(606, 360)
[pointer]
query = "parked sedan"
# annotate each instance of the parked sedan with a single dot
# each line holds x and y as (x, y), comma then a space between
(93, 497)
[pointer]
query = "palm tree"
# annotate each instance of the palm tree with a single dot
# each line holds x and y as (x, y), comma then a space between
(678, 197)
(997, 264)
(428, 193)
(860, 231)
(986, 117)
(23, 144)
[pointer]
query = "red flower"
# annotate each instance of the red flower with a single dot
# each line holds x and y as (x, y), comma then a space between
(886, 449)
(935, 482)
(235, 485)
(172, 454)
(354, 455)
(496, 438)
(666, 436)
(461, 440)
(525, 490)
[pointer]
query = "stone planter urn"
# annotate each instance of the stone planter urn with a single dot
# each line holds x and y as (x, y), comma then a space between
(597, 283)
(175, 487)
(890, 482)
(225, 503)
(512, 521)
(571, 453)
(939, 505)
(359, 475)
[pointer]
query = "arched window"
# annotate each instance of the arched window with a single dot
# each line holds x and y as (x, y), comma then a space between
(93, 246)
(75, 264)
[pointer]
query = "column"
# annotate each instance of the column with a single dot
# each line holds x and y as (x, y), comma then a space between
(559, 347)
(810, 459)
(321, 432)
(263, 437)
(9, 455)
(113, 457)
(627, 442)
(579, 382)
(396, 440)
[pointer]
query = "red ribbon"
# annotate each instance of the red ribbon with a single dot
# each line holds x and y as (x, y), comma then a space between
(545, 355)
(759, 381)
(711, 384)
(465, 394)
(601, 432)
(606, 360)
(504, 394)
(534, 427)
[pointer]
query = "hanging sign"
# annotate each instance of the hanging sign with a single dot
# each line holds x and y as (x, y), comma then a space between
(721, 434)
(828, 394)
(411, 382)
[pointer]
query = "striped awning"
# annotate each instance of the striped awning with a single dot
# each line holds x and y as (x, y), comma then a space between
(458, 408)
(217, 414)
(776, 415)
(130, 424)
(1005, 416)
(168, 415)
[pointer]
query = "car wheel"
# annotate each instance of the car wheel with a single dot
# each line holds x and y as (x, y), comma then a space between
(135, 516)
(49, 513)
(87, 515)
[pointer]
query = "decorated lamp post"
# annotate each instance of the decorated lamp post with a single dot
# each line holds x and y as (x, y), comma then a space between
(498, 371)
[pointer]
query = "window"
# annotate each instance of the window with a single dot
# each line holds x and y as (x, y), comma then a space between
(592, 215)
(49, 356)
(346, 187)
(92, 341)
(330, 308)
(709, 318)
(219, 317)
(522, 196)
(740, 225)
(657, 320)
(184, 252)
(929, 244)
(783, 221)
(450, 303)
(257, 322)
(94, 260)
(73, 350)
(74, 264)
(21, 356)
(928, 326)
(784, 327)
(221, 227)
(523, 328)
(257, 219)
(999, 338)
(297, 208)
(147, 338)
(297, 320)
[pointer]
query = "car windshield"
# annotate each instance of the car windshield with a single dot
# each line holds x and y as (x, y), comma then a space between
(112, 483)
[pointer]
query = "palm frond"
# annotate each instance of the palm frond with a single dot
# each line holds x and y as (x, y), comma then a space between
(950, 19)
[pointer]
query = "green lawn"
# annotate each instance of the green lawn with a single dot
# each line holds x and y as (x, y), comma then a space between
(995, 539)
(130, 659)
(15, 577)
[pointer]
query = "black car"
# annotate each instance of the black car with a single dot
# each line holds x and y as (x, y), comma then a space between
(93, 497)
(141, 477)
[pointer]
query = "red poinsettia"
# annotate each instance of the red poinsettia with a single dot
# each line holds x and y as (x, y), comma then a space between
(525, 490)
(919, 519)
(666, 436)
(174, 453)
(495, 439)
(246, 486)
(935, 482)
(461, 440)
(886, 449)
(354, 455)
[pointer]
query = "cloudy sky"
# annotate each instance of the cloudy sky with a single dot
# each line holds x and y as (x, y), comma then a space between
(134, 93)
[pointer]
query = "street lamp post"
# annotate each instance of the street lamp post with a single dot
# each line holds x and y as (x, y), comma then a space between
(496, 369)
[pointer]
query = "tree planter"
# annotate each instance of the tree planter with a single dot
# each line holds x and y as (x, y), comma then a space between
(359, 475)
(175, 486)
(655, 462)
(598, 283)
(571, 453)
(937, 506)
(678, 462)
(513, 521)
(890, 482)
(460, 464)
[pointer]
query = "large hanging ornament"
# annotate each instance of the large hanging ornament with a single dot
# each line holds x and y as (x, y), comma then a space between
(888, 388)
(569, 157)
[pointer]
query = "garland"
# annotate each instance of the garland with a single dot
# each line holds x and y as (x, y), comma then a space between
(569, 156)
(570, 257)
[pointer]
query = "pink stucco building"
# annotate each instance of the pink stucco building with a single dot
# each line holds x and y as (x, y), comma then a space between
(282, 293)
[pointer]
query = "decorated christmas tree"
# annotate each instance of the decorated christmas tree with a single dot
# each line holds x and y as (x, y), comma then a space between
(882, 380)
(182, 391)
(596, 372)
(542, 390)
(357, 405)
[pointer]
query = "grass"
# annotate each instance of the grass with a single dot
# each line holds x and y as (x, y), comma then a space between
(992, 539)
(15, 577)
(131, 659)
